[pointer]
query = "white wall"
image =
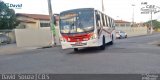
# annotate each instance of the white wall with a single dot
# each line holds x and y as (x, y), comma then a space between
(133, 31)
(33, 37)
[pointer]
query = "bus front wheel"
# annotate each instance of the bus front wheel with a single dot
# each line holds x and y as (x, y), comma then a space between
(102, 47)
(75, 49)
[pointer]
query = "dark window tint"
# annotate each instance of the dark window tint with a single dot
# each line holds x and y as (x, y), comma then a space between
(44, 24)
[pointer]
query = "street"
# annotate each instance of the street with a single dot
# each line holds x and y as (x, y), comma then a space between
(131, 55)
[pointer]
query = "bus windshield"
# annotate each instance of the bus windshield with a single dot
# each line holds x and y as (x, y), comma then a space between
(77, 21)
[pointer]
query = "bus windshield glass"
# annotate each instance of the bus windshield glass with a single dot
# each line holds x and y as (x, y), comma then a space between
(77, 21)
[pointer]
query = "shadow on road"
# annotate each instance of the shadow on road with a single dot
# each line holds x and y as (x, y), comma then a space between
(86, 51)
(91, 50)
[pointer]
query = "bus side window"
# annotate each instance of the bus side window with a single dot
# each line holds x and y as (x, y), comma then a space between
(111, 24)
(103, 20)
(106, 21)
(98, 20)
(105, 24)
(114, 25)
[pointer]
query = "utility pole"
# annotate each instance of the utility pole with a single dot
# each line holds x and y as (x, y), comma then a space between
(52, 26)
(151, 24)
(133, 15)
(102, 6)
(152, 8)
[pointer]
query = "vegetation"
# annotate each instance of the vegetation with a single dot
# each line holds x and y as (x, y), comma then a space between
(7, 17)
(155, 23)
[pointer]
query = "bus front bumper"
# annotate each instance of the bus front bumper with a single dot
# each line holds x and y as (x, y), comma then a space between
(83, 44)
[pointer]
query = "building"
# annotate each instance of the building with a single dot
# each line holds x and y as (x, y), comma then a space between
(34, 21)
(122, 23)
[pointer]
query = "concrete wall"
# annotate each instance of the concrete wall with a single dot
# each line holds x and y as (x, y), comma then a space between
(133, 31)
(158, 30)
(123, 24)
(32, 38)
(57, 33)
(30, 25)
(35, 37)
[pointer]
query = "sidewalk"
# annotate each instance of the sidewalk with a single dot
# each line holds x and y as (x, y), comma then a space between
(12, 49)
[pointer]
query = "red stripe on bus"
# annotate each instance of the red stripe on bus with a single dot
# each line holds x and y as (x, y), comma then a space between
(77, 37)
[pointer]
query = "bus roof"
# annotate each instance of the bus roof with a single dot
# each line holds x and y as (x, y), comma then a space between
(77, 9)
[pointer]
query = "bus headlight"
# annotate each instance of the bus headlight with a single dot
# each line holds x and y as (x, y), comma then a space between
(63, 39)
(93, 36)
(85, 39)
(69, 39)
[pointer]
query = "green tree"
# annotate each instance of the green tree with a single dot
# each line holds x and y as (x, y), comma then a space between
(155, 23)
(7, 17)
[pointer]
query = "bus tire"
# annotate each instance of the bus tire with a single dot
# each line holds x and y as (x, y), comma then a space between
(103, 46)
(126, 36)
(112, 42)
(75, 49)
(120, 37)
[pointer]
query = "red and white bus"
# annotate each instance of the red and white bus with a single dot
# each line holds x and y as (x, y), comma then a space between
(86, 27)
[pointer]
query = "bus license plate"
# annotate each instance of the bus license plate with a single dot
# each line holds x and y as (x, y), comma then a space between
(78, 43)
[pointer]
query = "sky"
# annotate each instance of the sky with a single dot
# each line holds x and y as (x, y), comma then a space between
(117, 9)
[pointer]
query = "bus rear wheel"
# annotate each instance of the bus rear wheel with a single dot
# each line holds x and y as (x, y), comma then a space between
(112, 42)
(75, 49)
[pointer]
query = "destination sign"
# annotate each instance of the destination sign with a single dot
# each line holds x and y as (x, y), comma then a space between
(68, 15)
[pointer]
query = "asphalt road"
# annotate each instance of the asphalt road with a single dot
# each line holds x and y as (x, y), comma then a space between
(131, 55)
